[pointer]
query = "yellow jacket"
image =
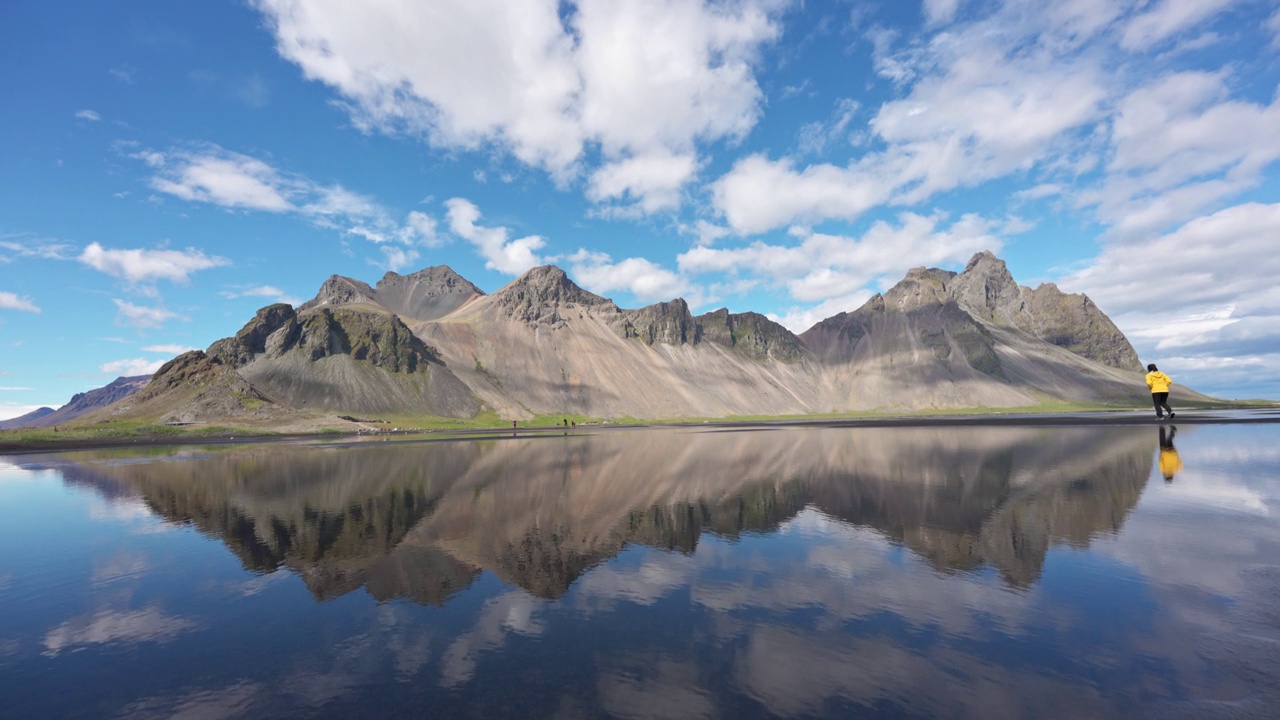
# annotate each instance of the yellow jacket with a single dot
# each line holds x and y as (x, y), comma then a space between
(1158, 381)
(1170, 463)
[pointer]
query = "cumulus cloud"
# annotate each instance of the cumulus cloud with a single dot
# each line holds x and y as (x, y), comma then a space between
(210, 174)
(269, 292)
(140, 265)
(1214, 282)
(642, 81)
(500, 253)
(645, 280)
(142, 317)
(984, 99)
(131, 366)
(11, 301)
(822, 266)
(88, 115)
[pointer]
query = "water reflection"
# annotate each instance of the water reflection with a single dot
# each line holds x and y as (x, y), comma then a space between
(421, 521)
(939, 572)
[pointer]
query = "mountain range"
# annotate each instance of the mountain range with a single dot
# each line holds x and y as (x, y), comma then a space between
(433, 344)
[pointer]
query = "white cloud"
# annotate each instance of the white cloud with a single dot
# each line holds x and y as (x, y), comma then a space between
(223, 178)
(42, 249)
(269, 292)
(647, 281)
(1213, 280)
(139, 265)
(640, 80)
(9, 410)
(10, 301)
(1273, 24)
(1181, 145)
(396, 258)
(168, 349)
(653, 181)
(117, 628)
(940, 12)
(143, 317)
(798, 319)
(7, 388)
(124, 73)
(88, 115)
(210, 174)
(825, 266)
(511, 257)
(1166, 18)
(131, 366)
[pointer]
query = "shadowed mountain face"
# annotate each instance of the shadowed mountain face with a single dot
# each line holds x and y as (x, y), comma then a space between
(422, 520)
(432, 343)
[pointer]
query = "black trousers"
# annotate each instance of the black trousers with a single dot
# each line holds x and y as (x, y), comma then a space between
(1161, 400)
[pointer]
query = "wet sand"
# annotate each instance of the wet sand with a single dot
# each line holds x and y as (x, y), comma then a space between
(1248, 415)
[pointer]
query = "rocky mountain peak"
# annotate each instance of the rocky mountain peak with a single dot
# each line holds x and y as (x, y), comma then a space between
(921, 287)
(340, 290)
(428, 294)
(540, 294)
(987, 290)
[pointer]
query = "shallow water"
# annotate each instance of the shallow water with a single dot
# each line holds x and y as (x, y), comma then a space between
(793, 572)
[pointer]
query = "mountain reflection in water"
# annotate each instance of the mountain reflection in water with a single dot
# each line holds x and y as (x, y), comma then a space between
(786, 572)
(420, 521)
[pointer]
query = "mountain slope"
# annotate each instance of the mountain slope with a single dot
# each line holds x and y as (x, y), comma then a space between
(81, 404)
(940, 339)
(541, 344)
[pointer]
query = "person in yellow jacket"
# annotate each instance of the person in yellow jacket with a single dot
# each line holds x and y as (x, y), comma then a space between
(1159, 384)
(1170, 463)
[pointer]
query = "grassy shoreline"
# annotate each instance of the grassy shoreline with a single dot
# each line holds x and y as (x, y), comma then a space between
(102, 435)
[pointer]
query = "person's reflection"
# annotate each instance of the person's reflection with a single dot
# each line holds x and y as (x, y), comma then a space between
(1170, 463)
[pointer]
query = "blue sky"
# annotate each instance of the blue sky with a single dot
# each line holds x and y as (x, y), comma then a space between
(168, 168)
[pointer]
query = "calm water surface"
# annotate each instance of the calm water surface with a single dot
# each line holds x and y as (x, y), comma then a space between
(930, 572)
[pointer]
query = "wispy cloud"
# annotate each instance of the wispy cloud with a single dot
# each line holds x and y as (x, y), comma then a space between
(131, 366)
(22, 245)
(88, 115)
(124, 73)
(143, 317)
(269, 292)
(6, 388)
(10, 301)
(169, 349)
(209, 174)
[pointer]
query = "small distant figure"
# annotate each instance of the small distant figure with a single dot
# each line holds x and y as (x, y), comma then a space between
(573, 425)
(1170, 463)
(513, 424)
(566, 422)
(1159, 384)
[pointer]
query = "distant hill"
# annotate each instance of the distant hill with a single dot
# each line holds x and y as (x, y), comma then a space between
(80, 404)
(432, 343)
(27, 420)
